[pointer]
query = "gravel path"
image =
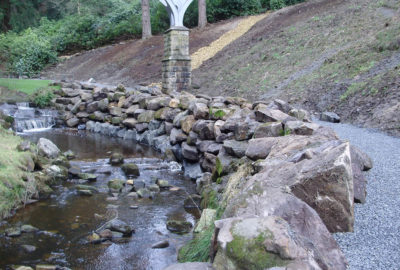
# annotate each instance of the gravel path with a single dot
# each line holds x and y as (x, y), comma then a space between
(375, 243)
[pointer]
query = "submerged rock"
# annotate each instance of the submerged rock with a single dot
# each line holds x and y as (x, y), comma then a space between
(161, 244)
(116, 159)
(179, 226)
(130, 169)
(117, 225)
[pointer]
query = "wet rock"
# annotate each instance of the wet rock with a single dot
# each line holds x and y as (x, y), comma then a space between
(190, 152)
(178, 118)
(84, 192)
(144, 193)
(161, 244)
(116, 159)
(192, 171)
(138, 184)
(46, 267)
(162, 183)
(192, 201)
(236, 148)
(94, 238)
(106, 234)
(154, 188)
(329, 117)
(207, 219)
(271, 129)
(13, 232)
(177, 136)
(103, 105)
(73, 122)
(133, 207)
(23, 268)
(191, 266)
(47, 148)
(133, 195)
(74, 171)
(116, 185)
(130, 169)
(141, 127)
(130, 122)
(192, 138)
(69, 155)
(87, 176)
(28, 228)
(117, 225)
(179, 226)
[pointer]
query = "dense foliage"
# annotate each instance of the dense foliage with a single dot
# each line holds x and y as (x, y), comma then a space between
(65, 26)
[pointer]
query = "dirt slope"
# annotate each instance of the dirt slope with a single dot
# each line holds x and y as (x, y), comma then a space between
(131, 62)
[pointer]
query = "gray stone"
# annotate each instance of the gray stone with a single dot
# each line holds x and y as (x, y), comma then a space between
(236, 148)
(205, 129)
(272, 129)
(116, 185)
(158, 102)
(146, 117)
(264, 114)
(116, 159)
(28, 248)
(117, 225)
(191, 266)
(329, 117)
(13, 232)
(260, 148)
(300, 128)
(28, 228)
(84, 192)
(73, 122)
(177, 136)
(47, 148)
(103, 105)
(179, 226)
(161, 244)
(192, 170)
(162, 183)
(130, 169)
(362, 160)
(130, 122)
(200, 111)
(178, 118)
(190, 152)
(192, 201)
(207, 219)
(144, 193)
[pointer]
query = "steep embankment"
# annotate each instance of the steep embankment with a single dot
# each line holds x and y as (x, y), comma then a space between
(131, 62)
(322, 54)
(325, 55)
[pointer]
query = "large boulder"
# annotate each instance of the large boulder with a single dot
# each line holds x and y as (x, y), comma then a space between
(265, 114)
(117, 225)
(260, 148)
(47, 148)
(236, 148)
(205, 129)
(190, 152)
(329, 117)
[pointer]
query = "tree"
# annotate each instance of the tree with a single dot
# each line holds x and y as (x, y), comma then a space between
(202, 14)
(146, 24)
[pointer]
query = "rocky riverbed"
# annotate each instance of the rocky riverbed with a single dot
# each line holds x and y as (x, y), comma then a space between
(88, 224)
(268, 176)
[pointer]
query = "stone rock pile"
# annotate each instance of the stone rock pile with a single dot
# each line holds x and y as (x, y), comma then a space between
(283, 183)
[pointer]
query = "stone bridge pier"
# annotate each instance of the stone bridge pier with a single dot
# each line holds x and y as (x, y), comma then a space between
(176, 64)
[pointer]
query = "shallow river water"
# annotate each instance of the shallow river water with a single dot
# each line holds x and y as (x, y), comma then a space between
(66, 218)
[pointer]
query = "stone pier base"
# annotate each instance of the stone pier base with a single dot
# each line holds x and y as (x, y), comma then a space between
(176, 65)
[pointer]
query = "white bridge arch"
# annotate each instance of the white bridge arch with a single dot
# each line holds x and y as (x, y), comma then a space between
(176, 10)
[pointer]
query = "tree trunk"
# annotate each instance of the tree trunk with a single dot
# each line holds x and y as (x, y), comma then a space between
(202, 14)
(6, 10)
(146, 24)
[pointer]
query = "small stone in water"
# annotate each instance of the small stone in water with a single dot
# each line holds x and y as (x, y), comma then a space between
(28, 248)
(106, 234)
(161, 244)
(133, 195)
(112, 206)
(174, 189)
(129, 182)
(46, 267)
(23, 268)
(74, 226)
(112, 199)
(13, 232)
(133, 207)
(28, 229)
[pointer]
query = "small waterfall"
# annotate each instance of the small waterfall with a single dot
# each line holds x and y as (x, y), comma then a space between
(27, 119)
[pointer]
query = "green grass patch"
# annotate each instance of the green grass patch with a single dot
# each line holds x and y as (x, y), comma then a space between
(13, 190)
(198, 249)
(26, 86)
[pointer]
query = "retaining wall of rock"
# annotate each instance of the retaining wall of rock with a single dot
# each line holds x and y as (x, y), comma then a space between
(284, 182)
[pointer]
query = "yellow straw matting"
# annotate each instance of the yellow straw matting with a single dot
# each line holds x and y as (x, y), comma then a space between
(207, 52)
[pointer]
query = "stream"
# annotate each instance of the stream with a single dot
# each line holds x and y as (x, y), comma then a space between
(66, 218)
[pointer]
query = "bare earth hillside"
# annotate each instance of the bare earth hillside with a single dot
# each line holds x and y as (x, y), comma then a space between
(335, 55)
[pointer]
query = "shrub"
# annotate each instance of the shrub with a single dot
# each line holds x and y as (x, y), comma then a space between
(43, 97)
(277, 4)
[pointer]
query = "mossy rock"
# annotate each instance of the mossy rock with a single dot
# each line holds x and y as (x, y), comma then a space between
(130, 169)
(116, 159)
(87, 176)
(116, 184)
(179, 226)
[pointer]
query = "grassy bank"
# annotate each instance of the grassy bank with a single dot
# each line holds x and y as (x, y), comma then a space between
(14, 167)
(26, 90)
